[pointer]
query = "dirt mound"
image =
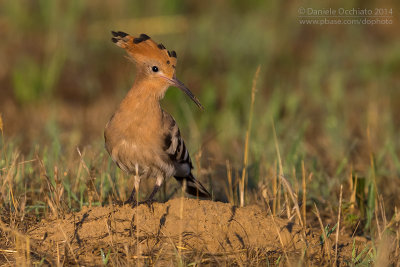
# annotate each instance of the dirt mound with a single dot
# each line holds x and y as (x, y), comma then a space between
(207, 231)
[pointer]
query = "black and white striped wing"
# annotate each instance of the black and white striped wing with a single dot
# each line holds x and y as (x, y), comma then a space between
(176, 150)
(178, 154)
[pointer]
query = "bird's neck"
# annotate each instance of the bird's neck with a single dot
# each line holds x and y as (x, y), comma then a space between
(143, 98)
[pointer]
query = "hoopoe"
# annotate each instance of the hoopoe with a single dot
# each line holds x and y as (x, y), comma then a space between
(141, 138)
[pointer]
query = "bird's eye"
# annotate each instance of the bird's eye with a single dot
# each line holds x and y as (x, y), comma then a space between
(154, 68)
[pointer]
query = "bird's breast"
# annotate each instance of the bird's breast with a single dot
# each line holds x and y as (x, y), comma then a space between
(136, 143)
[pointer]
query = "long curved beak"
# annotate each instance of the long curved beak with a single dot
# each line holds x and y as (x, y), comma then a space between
(180, 85)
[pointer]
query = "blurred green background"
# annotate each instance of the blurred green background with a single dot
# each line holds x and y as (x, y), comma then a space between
(332, 91)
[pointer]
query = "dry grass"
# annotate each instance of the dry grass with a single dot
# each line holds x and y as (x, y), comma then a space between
(285, 201)
(320, 147)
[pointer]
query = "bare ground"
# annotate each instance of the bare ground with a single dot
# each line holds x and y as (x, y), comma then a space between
(180, 230)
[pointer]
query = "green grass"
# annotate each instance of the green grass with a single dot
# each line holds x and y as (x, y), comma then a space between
(332, 93)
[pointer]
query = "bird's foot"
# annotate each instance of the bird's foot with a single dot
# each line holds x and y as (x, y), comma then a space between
(149, 202)
(131, 202)
(117, 203)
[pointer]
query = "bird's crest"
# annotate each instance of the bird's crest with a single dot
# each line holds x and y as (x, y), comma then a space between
(143, 47)
(154, 61)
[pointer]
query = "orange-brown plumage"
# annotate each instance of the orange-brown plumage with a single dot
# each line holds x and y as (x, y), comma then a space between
(140, 137)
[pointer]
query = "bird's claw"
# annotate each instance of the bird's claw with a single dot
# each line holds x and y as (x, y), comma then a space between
(149, 203)
(118, 203)
(131, 202)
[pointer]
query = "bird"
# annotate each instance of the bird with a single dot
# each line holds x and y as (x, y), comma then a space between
(141, 138)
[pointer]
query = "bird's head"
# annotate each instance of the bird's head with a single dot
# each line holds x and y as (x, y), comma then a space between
(154, 62)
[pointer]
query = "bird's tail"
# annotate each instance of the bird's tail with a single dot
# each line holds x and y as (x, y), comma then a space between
(194, 187)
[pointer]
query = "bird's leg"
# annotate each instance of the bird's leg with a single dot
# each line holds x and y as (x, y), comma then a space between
(134, 198)
(150, 200)
(157, 186)
(155, 190)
